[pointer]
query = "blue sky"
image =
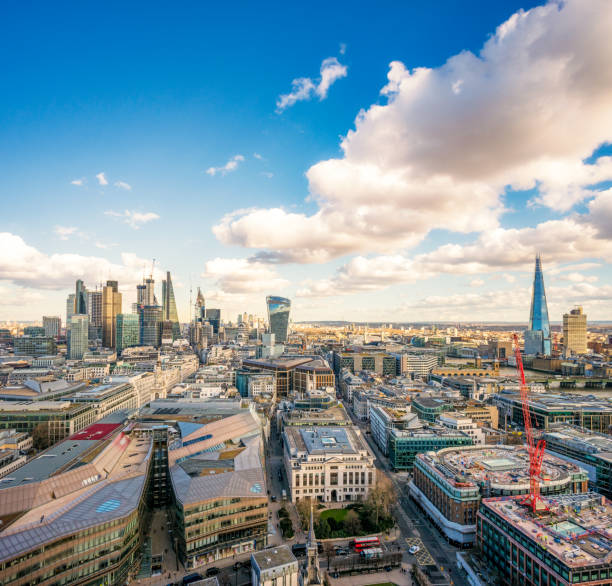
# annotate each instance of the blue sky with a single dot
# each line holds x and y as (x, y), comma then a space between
(152, 96)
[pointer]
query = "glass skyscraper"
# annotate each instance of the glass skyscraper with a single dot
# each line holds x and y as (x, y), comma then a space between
(79, 336)
(169, 306)
(128, 331)
(278, 317)
(150, 325)
(537, 337)
(80, 298)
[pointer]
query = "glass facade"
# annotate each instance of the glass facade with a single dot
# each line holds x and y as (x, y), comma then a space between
(169, 310)
(537, 337)
(78, 339)
(150, 325)
(128, 331)
(278, 317)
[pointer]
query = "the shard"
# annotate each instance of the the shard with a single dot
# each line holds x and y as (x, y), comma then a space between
(537, 337)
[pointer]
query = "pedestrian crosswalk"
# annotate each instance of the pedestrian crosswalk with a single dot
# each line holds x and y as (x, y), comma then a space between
(423, 557)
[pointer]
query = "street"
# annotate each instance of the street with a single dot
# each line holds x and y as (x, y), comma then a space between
(411, 520)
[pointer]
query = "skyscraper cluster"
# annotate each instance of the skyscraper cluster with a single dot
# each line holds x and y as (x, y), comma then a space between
(95, 317)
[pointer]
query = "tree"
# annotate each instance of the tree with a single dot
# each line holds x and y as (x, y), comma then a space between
(323, 529)
(329, 550)
(381, 498)
(352, 524)
(303, 509)
(40, 436)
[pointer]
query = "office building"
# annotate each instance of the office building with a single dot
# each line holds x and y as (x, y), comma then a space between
(405, 445)
(219, 489)
(169, 311)
(107, 398)
(592, 451)
(78, 339)
(145, 293)
(111, 307)
(61, 418)
(315, 374)
(357, 360)
(34, 346)
(69, 309)
(574, 332)
(449, 484)
(127, 331)
(278, 317)
(329, 464)
(79, 515)
(275, 566)
(537, 336)
(80, 298)
(417, 364)
(571, 543)
(587, 411)
(384, 419)
(94, 310)
(150, 318)
(282, 368)
(213, 317)
(34, 331)
(52, 325)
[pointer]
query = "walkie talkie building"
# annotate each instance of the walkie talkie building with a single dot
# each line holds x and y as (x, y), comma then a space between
(278, 317)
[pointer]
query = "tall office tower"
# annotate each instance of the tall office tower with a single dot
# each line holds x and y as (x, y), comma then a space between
(278, 317)
(150, 325)
(80, 298)
(574, 332)
(537, 337)
(128, 331)
(78, 340)
(111, 307)
(213, 317)
(94, 311)
(200, 306)
(169, 306)
(145, 293)
(69, 309)
(52, 325)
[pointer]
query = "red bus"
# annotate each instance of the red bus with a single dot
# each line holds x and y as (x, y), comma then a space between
(364, 543)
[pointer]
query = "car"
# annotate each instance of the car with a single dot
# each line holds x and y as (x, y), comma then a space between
(273, 498)
(189, 578)
(213, 571)
(414, 549)
(298, 549)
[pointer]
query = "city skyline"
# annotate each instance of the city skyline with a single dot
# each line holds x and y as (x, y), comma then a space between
(445, 182)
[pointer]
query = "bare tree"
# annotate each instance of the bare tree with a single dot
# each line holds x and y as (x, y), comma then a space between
(381, 497)
(352, 524)
(40, 436)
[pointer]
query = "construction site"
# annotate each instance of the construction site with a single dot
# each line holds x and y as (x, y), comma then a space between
(569, 540)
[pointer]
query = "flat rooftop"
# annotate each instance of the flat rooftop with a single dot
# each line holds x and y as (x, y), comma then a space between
(577, 529)
(273, 557)
(565, 402)
(324, 440)
(501, 466)
(589, 442)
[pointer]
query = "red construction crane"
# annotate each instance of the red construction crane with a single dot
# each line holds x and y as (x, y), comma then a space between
(535, 448)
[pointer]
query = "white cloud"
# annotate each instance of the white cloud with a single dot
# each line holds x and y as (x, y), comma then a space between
(78, 182)
(26, 266)
(101, 177)
(258, 156)
(230, 166)
(267, 174)
(532, 105)
(476, 283)
(123, 185)
(104, 246)
(576, 277)
(64, 231)
(240, 276)
(342, 48)
(133, 218)
(304, 88)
